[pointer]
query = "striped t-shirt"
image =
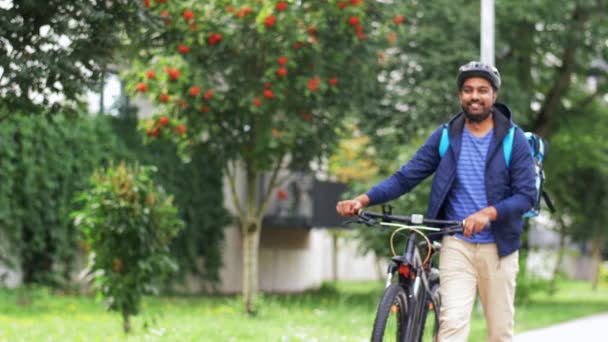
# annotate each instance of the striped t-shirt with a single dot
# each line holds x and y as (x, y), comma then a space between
(468, 195)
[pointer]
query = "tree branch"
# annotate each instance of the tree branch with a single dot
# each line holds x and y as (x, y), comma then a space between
(271, 186)
(232, 182)
(542, 124)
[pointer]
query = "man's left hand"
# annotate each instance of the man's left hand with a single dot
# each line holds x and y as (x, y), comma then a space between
(479, 221)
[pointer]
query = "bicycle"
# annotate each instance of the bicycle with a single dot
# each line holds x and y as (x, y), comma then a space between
(408, 297)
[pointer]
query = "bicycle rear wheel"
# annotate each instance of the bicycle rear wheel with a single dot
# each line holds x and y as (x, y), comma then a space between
(392, 315)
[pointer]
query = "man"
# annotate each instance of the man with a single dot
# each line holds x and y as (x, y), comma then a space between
(472, 183)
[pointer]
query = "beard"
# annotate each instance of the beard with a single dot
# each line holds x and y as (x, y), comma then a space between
(476, 118)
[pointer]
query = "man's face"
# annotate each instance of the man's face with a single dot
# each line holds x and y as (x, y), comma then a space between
(477, 97)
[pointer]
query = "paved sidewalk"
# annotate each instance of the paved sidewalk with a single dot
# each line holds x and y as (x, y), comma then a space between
(592, 328)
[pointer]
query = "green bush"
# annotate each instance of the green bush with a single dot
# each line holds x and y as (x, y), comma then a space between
(128, 224)
(43, 163)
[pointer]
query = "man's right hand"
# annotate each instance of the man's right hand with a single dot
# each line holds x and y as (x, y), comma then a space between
(352, 207)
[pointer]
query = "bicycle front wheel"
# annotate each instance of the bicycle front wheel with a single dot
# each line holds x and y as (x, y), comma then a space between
(392, 315)
(429, 308)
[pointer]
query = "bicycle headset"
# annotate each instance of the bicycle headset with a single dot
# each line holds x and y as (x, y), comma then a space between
(478, 69)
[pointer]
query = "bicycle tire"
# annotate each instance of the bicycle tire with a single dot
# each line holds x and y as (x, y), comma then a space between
(425, 312)
(393, 308)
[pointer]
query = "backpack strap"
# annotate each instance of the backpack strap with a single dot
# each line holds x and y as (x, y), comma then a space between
(445, 141)
(548, 201)
(507, 145)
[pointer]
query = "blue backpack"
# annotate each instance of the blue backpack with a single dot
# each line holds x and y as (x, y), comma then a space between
(538, 150)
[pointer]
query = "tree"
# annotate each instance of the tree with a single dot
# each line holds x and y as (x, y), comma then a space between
(127, 223)
(578, 175)
(50, 51)
(266, 85)
(545, 49)
(550, 57)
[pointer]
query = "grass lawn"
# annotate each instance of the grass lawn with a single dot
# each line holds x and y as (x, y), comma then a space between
(343, 312)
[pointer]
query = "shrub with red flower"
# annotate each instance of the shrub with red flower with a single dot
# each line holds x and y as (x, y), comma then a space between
(165, 14)
(183, 48)
(268, 94)
(270, 20)
(313, 83)
(360, 33)
(214, 38)
(194, 91)
(163, 121)
(208, 95)
(257, 102)
(281, 6)
(173, 74)
(282, 72)
(188, 15)
(305, 116)
(243, 11)
(142, 88)
(153, 132)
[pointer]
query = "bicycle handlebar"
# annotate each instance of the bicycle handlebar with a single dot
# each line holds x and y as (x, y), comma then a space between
(370, 218)
(412, 219)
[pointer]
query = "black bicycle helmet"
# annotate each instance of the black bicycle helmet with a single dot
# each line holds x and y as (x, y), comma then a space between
(478, 69)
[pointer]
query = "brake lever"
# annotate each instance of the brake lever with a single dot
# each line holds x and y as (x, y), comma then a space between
(447, 230)
(453, 229)
(348, 221)
(359, 219)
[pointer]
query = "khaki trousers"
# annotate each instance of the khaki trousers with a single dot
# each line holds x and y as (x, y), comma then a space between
(465, 268)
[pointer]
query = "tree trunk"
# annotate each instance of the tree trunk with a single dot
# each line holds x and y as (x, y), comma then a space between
(560, 257)
(251, 246)
(250, 217)
(126, 322)
(251, 227)
(596, 256)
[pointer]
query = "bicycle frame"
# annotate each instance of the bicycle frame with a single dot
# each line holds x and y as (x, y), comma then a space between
(413, 277)
(415, 274)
